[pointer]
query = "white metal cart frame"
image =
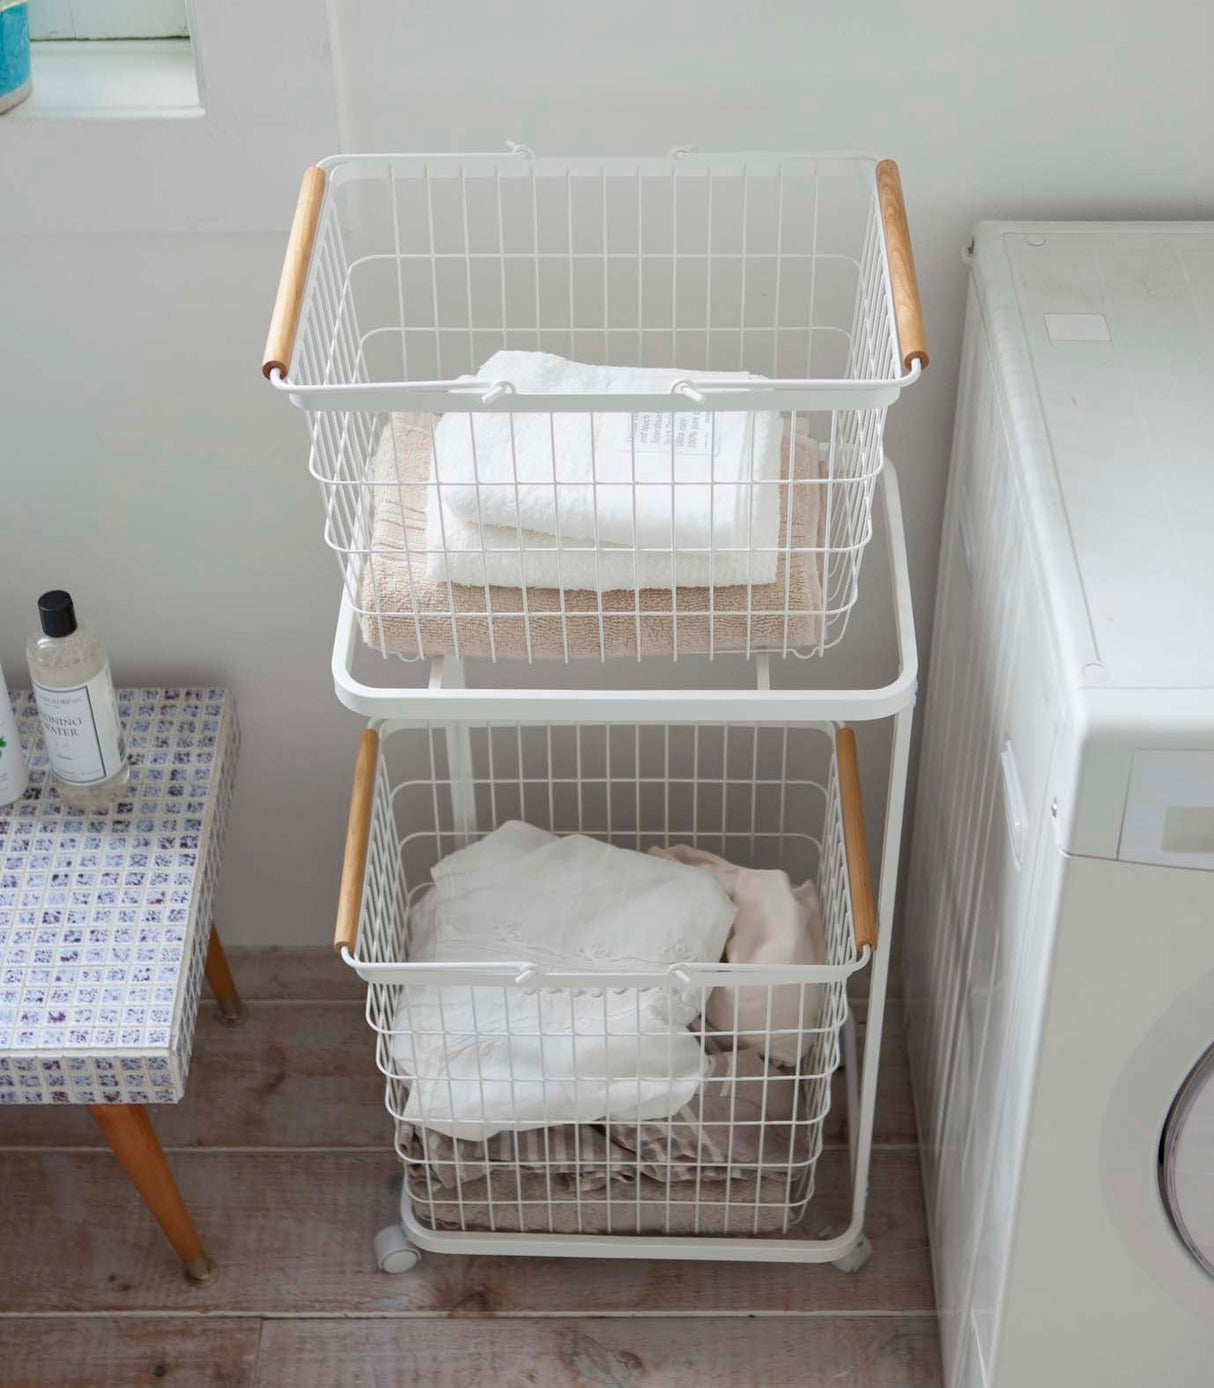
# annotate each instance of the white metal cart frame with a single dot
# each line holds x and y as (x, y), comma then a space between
(325, 371)
(457, 707)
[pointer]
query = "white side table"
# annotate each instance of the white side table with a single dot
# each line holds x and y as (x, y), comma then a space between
(106, 933)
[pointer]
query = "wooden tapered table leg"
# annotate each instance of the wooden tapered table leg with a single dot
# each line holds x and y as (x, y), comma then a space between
(129, 1131)
(219, 977)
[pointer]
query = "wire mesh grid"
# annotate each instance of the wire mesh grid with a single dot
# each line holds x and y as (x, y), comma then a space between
(737, 1153)
(680, 511)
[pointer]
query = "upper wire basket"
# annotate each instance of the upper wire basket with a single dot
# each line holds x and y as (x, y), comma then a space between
(598, 407)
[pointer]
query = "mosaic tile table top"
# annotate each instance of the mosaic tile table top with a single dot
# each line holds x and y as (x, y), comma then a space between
(104, 917)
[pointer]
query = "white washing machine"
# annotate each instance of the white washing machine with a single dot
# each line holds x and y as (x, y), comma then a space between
(1060, 914)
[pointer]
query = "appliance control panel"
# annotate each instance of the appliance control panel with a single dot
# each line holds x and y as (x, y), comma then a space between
(1169, 812)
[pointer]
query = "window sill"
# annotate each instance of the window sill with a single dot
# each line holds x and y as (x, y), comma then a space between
(111, 80)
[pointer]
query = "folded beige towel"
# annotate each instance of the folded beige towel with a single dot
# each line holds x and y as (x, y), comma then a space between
(405, 612)
(520, 1204)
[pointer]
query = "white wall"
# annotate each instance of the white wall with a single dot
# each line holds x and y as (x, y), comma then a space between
(1086, 108)
(1035, 108)
(146, 466)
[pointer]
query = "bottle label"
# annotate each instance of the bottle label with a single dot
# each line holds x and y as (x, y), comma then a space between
(12, 762)
(80, 729)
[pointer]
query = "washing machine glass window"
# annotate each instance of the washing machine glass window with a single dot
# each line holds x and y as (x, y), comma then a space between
(1186, 1162)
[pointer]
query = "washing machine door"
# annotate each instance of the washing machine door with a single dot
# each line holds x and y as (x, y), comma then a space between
(1186, 1162)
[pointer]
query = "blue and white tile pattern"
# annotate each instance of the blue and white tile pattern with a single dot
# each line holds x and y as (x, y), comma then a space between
(104, 918)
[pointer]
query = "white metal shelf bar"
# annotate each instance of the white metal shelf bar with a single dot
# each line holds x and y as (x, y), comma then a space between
(693, 1248)
(693, 164)
(442, 702)
(439, 396)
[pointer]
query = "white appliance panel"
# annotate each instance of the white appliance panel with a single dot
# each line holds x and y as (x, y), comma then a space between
(1170, 809)
(1129, 415)
(1059, 945)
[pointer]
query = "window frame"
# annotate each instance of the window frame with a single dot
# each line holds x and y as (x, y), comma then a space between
(107, 19)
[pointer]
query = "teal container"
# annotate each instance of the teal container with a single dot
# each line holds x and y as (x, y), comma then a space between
(14, 53)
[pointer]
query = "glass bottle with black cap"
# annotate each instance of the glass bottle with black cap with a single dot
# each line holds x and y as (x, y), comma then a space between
(70, 673)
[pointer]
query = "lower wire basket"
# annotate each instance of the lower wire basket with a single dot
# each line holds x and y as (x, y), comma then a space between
(685, 1103)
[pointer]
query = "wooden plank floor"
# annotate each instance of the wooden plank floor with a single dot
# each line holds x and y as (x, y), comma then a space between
(282, 1150)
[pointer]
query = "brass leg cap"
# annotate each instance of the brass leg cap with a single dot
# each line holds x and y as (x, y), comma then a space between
(201, 1270)
(231, 1009)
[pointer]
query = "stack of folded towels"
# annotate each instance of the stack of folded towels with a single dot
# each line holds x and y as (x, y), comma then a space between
(612, 1109)
(607, 530)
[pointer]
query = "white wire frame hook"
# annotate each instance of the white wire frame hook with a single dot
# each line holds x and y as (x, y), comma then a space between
(529, 978)
(525, 151)
(497, 390)
(684, 387)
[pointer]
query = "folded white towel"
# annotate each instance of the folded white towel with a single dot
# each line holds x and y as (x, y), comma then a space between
(484, 1060)
(475, 555)
(607, 478)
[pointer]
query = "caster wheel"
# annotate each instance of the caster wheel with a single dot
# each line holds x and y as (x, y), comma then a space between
(394, 1252)
(855, 1260)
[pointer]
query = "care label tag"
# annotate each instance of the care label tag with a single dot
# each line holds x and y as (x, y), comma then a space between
(689, 431)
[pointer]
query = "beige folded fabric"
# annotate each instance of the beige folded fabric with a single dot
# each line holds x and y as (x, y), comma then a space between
(405, 612)
(744, 1119)
(775, 923)
(529, 1202)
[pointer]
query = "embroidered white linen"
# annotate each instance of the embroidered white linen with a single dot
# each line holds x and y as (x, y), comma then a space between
(607, 478)
(483, 1060)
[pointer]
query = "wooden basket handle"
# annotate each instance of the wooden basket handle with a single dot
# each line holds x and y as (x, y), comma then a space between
(859, 874)
(285, 319)
(908, 311)
(358, 833)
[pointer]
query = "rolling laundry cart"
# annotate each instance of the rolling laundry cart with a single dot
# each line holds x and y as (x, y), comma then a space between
(567, 415)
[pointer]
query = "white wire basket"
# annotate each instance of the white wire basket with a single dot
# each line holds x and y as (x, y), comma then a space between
(700, 482)
(731, 1173)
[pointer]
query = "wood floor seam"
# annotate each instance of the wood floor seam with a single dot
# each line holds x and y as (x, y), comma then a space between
(449, 1315)
(261, 1335)
(370, 1150)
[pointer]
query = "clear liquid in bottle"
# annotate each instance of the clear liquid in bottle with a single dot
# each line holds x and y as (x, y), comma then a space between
(70, 673)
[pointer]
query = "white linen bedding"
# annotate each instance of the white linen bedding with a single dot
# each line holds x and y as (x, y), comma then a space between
(487, 1059)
